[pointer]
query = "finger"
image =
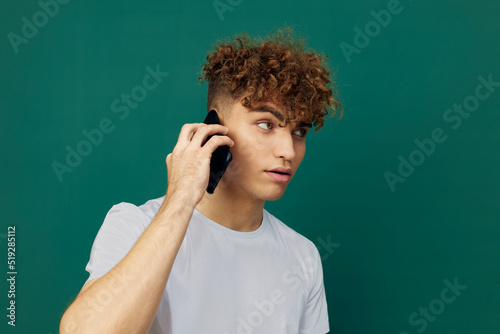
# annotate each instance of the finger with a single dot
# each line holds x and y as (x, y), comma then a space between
(187, 132)
(203, 133)
(216, 141)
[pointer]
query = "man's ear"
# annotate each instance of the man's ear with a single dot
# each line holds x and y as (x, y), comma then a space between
(219, 115)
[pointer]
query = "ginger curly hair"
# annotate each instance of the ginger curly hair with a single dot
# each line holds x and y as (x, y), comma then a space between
(277, 68)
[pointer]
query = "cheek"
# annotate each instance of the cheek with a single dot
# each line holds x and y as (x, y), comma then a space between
(244, 154)
(301, 150)
(247, 157)
(300, 153)
(247, 147)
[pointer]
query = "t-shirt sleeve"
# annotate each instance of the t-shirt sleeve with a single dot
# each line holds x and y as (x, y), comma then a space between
(121, 228)
(315, 317)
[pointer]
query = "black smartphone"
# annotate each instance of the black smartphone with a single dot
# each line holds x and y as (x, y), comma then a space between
(221, 157)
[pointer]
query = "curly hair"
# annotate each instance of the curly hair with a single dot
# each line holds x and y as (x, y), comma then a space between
(277, 68)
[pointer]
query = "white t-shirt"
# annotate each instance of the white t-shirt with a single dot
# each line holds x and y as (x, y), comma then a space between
(224, 281)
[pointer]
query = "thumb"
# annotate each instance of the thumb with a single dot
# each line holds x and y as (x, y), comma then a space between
(168, 159)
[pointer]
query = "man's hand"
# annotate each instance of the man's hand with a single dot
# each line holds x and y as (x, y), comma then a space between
(188, 165)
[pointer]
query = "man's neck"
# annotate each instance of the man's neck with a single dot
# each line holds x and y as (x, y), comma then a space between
(234, 209)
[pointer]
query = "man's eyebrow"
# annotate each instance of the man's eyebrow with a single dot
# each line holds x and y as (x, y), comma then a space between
(277, 114)
(266, 108)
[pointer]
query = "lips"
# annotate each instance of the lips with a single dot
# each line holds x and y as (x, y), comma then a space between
(281, 170)
(280, 174)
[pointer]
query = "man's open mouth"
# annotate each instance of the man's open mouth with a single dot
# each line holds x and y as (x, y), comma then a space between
(279, 176)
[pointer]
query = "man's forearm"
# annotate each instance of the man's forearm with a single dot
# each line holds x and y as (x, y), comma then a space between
(126, 299)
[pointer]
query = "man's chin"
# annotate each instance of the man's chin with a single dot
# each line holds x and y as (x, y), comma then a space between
(271, 194)
(261, 190)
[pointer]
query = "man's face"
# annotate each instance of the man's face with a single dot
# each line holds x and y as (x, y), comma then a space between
(261, 145)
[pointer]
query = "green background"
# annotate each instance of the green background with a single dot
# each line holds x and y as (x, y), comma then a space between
(391, 249)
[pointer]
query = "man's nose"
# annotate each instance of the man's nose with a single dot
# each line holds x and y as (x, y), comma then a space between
(283, 145)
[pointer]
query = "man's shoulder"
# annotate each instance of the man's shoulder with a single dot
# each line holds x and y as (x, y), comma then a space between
(290, 235)
(131, 212)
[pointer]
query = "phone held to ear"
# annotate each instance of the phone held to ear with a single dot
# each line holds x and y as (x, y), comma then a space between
(221, 157)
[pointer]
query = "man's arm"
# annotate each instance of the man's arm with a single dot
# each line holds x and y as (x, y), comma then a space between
(143, 273)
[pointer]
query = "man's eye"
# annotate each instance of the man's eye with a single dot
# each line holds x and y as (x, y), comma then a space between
(302, 132)
(267, 127)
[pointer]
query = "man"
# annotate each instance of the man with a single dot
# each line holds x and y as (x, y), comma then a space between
(193, 262)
